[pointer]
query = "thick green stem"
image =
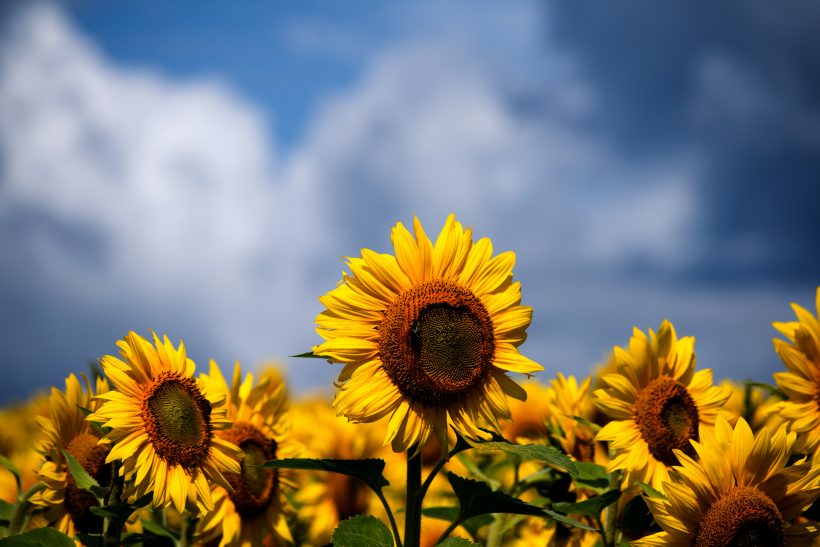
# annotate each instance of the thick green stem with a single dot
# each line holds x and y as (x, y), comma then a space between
(412, 524)
(612, 513)
(188, 526)
(20, 515)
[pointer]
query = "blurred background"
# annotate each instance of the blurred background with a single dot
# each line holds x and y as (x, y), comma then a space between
(199, 168)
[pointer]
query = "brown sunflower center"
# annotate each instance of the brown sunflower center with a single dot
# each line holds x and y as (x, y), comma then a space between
(436, 342)
(178, 420)
(745, 517)
(79, 502)
(254, 487)
(667, 418)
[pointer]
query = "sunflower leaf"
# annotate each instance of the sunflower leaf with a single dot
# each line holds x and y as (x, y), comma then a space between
(583, 421)
(636, 517)
(591, 507)
(570, 521)
(450, 514)
(6, 510)
(457, 542)
(7, 463)
(81, 477)
(651, 492)
(157, 530)
(41, 537)
(475, 498)
(369, 471)
(310, 355)
(535, 452)
(362, 531)
(591, 474)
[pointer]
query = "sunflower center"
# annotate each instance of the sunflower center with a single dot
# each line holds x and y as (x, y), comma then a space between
(667, 418)
(745, 517)
(178, 419)
(436, 342)
(79, 502)
(254, 487)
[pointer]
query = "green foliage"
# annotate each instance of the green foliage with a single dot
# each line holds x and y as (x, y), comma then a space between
(5, 462)
(591, 507)
(81, 476)
(368, 471)
(450, 514)
(6, 510)
(475, 498)
(41, 537)
(636, 518)
(362, 531)
(569, 521)
(457, 542)
(651, 492)
(591, 475)
(533, 452)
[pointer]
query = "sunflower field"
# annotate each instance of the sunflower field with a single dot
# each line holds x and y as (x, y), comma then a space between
(441, 432)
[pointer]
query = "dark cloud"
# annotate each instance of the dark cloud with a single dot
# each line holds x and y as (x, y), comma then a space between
(736, 81)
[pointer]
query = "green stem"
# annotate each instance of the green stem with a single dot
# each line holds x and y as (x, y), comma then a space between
(20, 515)
(612, 512)
(186, 537)
(393, 525)
(112, 529)
(429, 480)
(412, 524)
(448, 531)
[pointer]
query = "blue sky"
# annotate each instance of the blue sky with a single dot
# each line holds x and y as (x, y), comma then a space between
(200, 168)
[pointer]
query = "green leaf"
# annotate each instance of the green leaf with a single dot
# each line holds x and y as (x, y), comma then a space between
(362, 531)
(476, 498)
(636, 518)
(81, 476)
(41, 537)
(155, 528)
(457, 542)
(6, 510)
(591, 507)
(5, 462)
(651, 492)
(90, 540)
(476, 471)
(536, 452)
(591, 474)
(569, 521)
(368, 471)
(450, 514)
(583, 421)
(311, 355)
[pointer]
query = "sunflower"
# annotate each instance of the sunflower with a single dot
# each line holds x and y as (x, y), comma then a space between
(739, 492)
(427, 336)
(657, 401)
(162, 425)
(67, 506)
(753, 403)
(529, 417)
(569, 400)
(801, 384)
(255, 510)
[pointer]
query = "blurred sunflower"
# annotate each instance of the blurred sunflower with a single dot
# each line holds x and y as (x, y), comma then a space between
(529, 417)
(255, 510)
(739, 492)
(67, 506)
(20, 434)
(569, 399)
(162, 425)
(801, 384)
(427, 336)
(754, 404)
(657, 402)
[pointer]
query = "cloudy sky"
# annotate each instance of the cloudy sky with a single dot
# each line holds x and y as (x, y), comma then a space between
(199, 169)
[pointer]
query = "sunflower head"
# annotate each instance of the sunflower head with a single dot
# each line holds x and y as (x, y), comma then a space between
(427, 335)
(68, 506)
(801, 382)
(739, 492)
(162, 424)
(657, 402)
(254, 509)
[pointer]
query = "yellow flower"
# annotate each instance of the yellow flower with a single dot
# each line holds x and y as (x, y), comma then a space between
(657, 401)
(529, 417)
(739, 492)
(752, 403)
(67, 506)
(427, 336)
(20, 433)
(255, 510)
(801, 384)
(162, 425)
(568, 398)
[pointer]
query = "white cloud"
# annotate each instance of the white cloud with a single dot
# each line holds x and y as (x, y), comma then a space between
(179, 186)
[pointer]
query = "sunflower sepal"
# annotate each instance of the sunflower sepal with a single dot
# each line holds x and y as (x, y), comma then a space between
(310, 355)
(363, 531)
